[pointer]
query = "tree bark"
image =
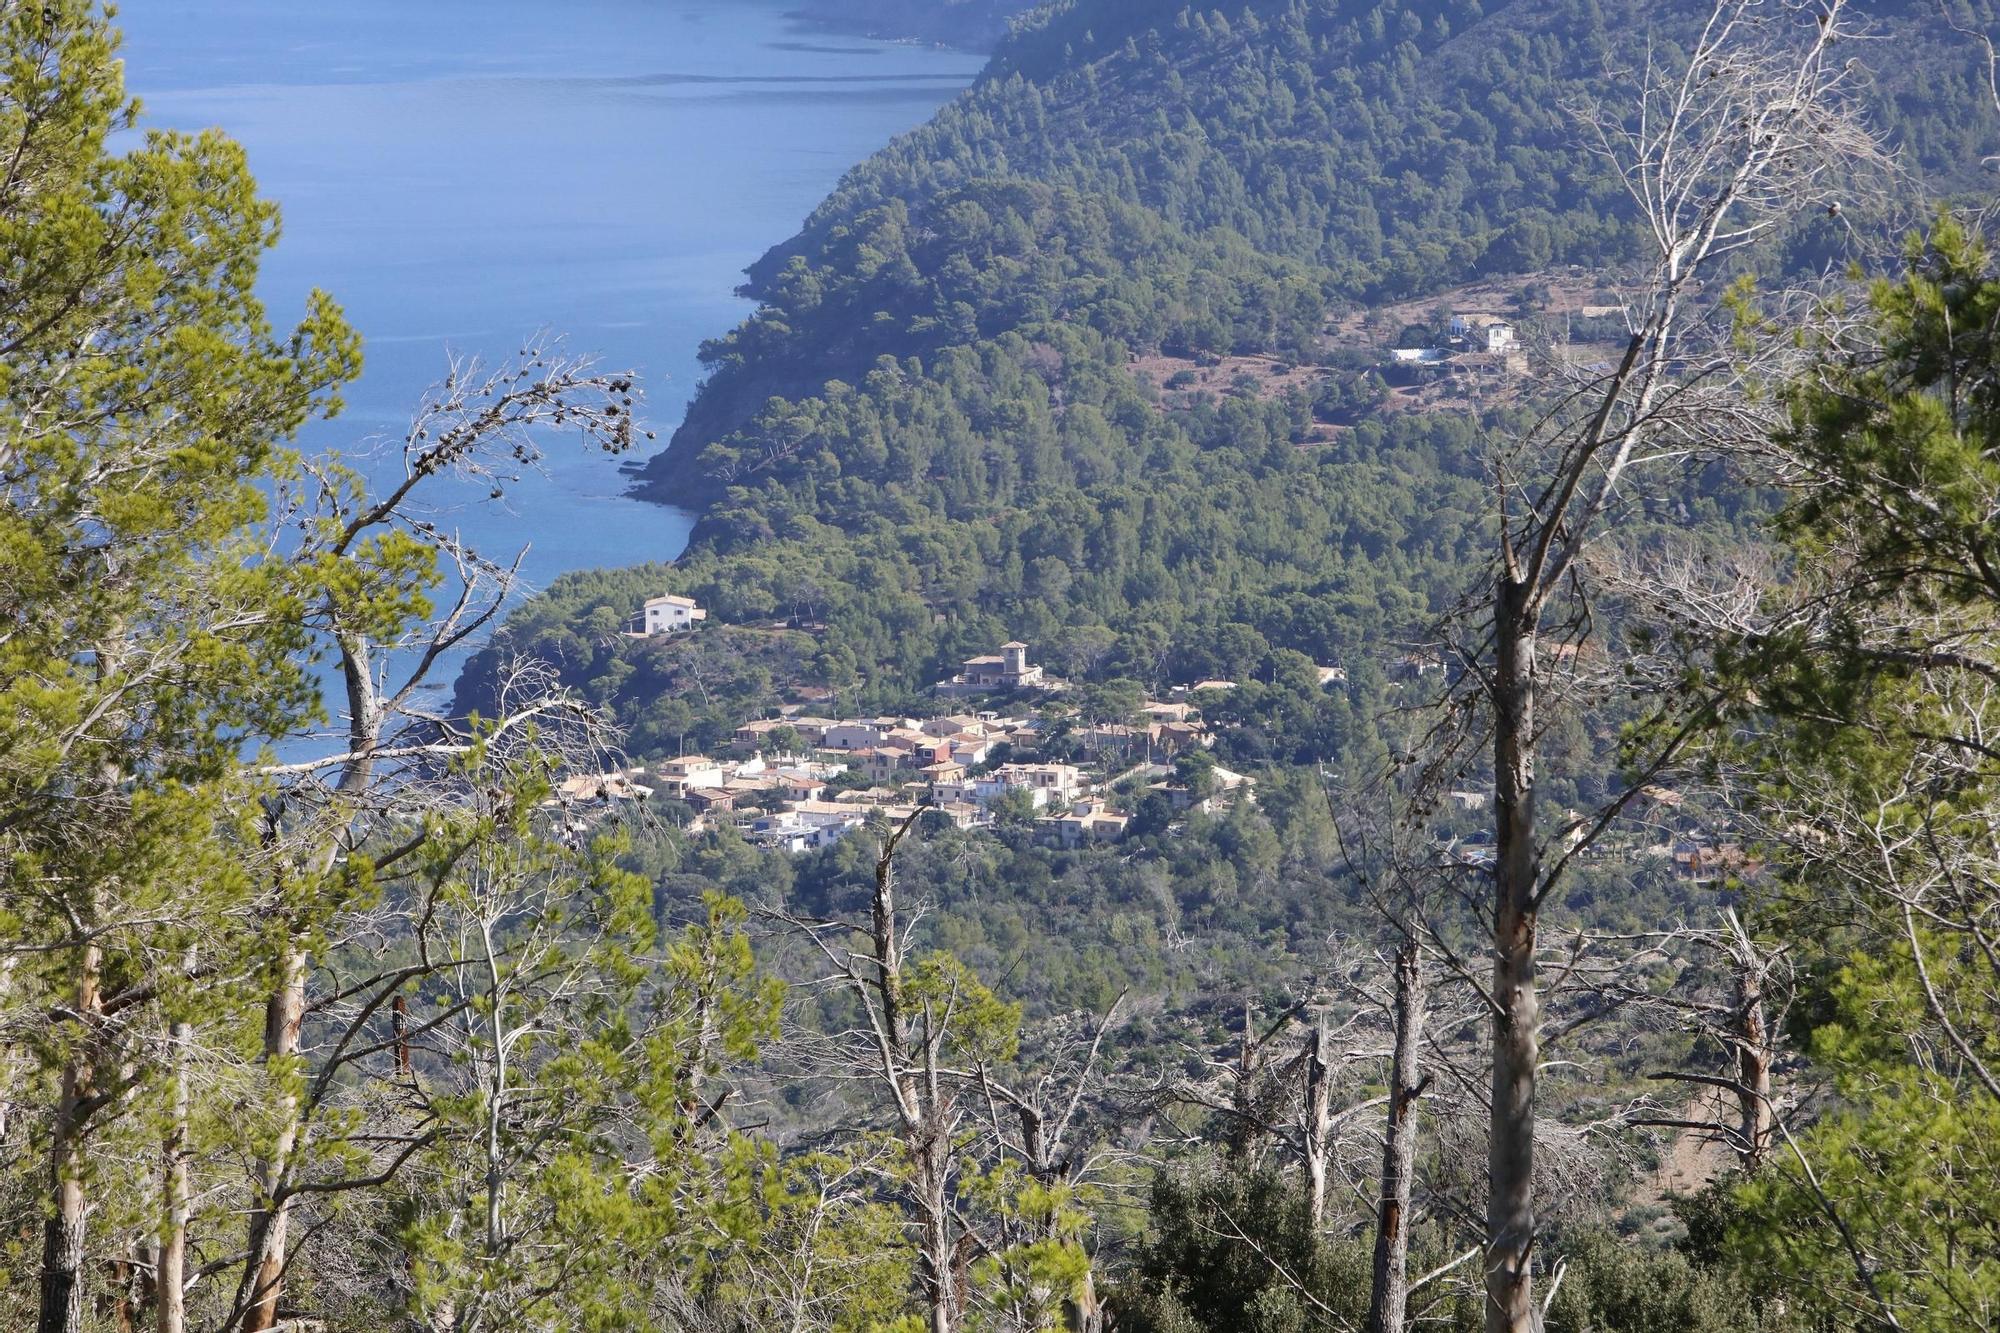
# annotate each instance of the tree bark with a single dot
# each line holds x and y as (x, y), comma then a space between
(127, 1294)
(1318, 1096)
(1510, 1162)
(1389, 1292)
(919, 1102)
(171, 1271)
(64, 1232)
(496, 1095)
(938, 1258)
(263, 1278)
(7, 1075)
(264, 1275)
(62, 1252)
(1753, 1069)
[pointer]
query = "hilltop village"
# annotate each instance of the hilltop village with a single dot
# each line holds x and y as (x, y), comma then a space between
(795, 781)
(1006, 746)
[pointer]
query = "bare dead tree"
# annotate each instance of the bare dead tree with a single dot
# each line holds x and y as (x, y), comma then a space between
(907, 1057)
(1389, 1287)
(966, 1104)
(1037, 1121)
(1756, 128)
(1414, 878)
(369, 557)
(1316, 1116)
(1287, 1085)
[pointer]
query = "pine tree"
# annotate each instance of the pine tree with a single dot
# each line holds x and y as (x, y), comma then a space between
(143, 396)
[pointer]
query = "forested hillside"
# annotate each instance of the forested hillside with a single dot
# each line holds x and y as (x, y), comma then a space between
(929, 430)
(1564, 903)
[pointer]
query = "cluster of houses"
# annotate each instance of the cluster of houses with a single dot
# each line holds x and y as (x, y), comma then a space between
(798, 782)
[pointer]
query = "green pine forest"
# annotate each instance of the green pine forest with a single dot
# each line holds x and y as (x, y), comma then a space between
(1609, 946)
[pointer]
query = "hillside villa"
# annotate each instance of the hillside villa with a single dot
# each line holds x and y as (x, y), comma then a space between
(1000, 673)
(670, 614)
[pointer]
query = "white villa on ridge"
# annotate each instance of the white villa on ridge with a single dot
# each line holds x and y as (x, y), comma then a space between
(997, 673)
(668, 614)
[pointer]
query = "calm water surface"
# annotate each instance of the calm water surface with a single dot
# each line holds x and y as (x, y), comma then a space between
(463, 173)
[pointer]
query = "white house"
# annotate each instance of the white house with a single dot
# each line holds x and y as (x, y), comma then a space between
(791, 831)
(680, 776)
(983, 791)
(1061, 782)
(669, 614)
(853, 736)
(995, 673)
(968, 749)
(1487, 333)
(1092, 823)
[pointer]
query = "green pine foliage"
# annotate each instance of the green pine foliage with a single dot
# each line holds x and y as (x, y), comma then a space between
(1868, 721)
(928, 438)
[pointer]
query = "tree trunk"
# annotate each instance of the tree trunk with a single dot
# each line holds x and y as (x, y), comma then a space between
(1389, 1293)
(62, 1252)
(1510, 1149)
(129, 1292)
(496, 1109)
(941, 1265)
(919, 1102)
(7, 1076)
(64, 1230)
(171, 1271)
(399, 1024)
(938, 1261)
(1318, 1095)
(1753, 1070)
(1082, 1313)
(264, 1273)
(263, 1280)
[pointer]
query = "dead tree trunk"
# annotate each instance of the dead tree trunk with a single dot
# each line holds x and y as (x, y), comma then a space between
(1317, 1102)
(1389, 1292)
(915, 1081)
(1752, 1037)
(938, 1259)
(1755, 127)
(1510, 1205)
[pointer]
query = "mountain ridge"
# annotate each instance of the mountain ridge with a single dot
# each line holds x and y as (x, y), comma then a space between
(934, 417)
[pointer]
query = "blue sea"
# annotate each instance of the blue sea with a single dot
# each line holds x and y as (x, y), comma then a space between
(463, 174)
